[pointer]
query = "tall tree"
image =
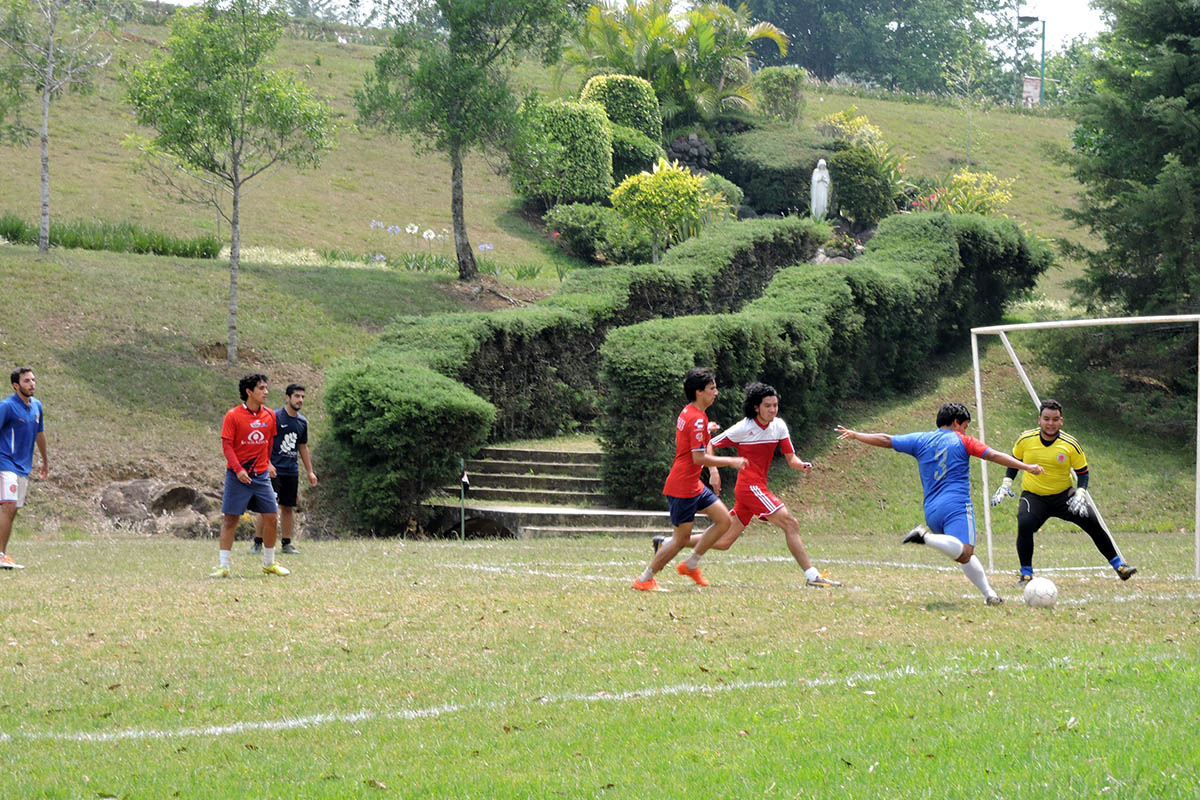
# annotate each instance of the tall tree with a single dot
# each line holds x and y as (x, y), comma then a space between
(1137, 154)
(444, 80)
(221, 118)
(51, 46)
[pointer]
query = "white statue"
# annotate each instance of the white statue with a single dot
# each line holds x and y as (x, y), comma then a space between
(819, 204)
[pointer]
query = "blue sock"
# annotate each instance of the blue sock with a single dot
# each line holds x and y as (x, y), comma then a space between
(1027, 571)
(1116, 561)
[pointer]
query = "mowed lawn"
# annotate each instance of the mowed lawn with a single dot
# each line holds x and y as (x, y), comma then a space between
(501, 668)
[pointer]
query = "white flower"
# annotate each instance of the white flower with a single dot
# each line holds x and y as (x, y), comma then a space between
(412, 227)
(429, 234)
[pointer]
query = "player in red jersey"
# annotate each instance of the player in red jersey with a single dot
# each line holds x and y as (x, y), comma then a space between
(686, 495)
(246, 437)
(757, 437)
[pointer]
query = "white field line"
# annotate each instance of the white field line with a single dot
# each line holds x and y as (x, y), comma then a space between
(433, 712)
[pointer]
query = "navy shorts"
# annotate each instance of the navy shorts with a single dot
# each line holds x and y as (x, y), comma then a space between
(683, 509)
(256, 496)
(286, 488)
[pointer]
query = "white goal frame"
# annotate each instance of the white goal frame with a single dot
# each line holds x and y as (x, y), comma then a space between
(1002, 331)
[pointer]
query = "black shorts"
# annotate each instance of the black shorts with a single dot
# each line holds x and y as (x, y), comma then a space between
(286, 488)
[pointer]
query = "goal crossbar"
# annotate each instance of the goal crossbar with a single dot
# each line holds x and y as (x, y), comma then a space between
(1003, 330)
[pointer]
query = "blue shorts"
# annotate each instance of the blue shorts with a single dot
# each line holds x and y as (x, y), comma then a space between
(953, 519)
(683, 509)
(241, 497)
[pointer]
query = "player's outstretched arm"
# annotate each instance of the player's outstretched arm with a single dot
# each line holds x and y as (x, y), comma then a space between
(705, 458)
(795, 462)
(876, 439)
(1006, 460)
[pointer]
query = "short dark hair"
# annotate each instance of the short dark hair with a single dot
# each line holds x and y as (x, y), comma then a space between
(952, 412)
(1053, 405)
(697, 379)
(246, 384)
(756, 392)
(292, 388)
(18, 372)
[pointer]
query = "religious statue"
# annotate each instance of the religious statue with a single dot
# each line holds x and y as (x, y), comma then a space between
(819, 203)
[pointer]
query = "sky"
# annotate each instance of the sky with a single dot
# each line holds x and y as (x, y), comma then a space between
(1065, 19)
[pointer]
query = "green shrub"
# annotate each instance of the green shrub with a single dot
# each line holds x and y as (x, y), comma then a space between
(850, 127)
(729, 190)
(562, 153)
(598, 234)
(627, 100)
(818, 333)
(632, 152)
(773, 165)
(662, 202)
(117, 237)
(862, 192)
(780, 92)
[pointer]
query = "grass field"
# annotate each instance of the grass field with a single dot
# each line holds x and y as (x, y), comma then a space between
(530, 669)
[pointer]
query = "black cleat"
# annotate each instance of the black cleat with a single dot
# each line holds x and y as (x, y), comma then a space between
(1126, 572)
(657, 541)
(915, 536)
(290, 549)
(1024, 579)
(994, 600)
(256, 546)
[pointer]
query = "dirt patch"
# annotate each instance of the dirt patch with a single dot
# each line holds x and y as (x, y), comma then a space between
(218, 352)
(488, 294)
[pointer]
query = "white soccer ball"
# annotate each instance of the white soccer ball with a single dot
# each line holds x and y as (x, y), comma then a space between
(1041, 593)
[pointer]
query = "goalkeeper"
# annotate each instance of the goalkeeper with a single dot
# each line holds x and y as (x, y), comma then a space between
(1051, 494)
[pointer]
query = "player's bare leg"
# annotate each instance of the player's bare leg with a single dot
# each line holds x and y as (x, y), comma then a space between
(665, 553)
(8, 513)
(791, 534)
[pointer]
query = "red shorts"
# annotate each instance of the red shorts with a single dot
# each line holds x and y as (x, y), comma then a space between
(753, 501)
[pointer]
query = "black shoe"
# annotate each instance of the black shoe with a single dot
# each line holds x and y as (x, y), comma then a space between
(915, 536)
(1024, 579)
(1126, 572)
(657, 541)
(994, 600)
(290, 549)
(256, 547)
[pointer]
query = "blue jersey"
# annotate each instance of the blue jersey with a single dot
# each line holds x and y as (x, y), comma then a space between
(943, 457)
(19, 426)
(290, 433)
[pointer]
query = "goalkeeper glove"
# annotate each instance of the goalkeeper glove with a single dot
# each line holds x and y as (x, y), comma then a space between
(1080, 503)
(1005, 490)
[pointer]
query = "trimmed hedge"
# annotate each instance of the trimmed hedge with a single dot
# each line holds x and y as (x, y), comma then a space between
(564, 153)
(861, 191)
(773, 166)
(632, 152)
(627, 100)
(818, 333)
(598, 234)
(534, 369)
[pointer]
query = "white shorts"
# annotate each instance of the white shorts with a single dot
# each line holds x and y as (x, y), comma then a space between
(13, 488)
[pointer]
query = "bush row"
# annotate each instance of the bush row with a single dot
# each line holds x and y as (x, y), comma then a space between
(536, 369)
(819, 333)
(118, 237)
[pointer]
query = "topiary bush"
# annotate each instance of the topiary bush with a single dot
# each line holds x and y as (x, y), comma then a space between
(627, 100)
(562, 153)
(726, 188)
(598, 234)
(661, 202)
(632, 152)
(862, 191)
(780, 92)
(773, 165)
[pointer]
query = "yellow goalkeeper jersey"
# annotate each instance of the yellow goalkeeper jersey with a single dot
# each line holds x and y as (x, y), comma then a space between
(1058, 459)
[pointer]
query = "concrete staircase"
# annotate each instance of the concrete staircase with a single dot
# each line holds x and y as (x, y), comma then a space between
(541, 493)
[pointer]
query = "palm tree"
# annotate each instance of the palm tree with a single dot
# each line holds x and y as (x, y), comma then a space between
(718, 54)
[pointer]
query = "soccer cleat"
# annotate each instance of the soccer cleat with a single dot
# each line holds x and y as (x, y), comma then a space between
(6, 562)
(823, 581)
(256, 547)
(1023, 580)
(219, 572)
(1126, 572)
(694, 574)
(290, 549)
(915, 536)
(648, 586)
(994, 600)
(274, 568)
(657, 542)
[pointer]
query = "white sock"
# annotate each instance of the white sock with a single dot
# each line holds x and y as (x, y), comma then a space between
(647, 575)
(693, 560)
(973, 569)
(224, 555)
(812, 573)
(946, 544)
(268, 556)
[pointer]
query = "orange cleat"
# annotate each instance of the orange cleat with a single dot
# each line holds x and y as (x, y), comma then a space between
(647, 586)
(694, 574)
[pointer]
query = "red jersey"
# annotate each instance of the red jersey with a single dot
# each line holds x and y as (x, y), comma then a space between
(756, 443)
(691, 434)
(246, 438)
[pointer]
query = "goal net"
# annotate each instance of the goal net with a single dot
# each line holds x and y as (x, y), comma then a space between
(1002, 331)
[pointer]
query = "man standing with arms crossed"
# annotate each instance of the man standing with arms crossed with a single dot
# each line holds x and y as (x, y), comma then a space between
(21, 427)
(291, 439)
(246, 437)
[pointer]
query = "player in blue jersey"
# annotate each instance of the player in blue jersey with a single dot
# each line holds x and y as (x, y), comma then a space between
(21, 429)
(943, 457)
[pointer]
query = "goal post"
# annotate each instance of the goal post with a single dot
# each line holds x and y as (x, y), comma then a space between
(1003, 330)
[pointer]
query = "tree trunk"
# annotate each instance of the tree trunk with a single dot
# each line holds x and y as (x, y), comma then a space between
(47, 84)
(235, 261)
(467, 269)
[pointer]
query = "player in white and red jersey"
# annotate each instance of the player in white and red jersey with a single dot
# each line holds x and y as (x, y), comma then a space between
(685, 493)
(757, 436)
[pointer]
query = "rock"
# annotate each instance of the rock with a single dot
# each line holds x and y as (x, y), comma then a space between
(154, 505)
(186, 524)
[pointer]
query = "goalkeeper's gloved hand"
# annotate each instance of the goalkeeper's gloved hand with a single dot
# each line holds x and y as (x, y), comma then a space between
(1080, 503)
(1005, 490)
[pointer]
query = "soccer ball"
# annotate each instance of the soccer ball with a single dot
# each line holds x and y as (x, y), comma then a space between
(1041, 593)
